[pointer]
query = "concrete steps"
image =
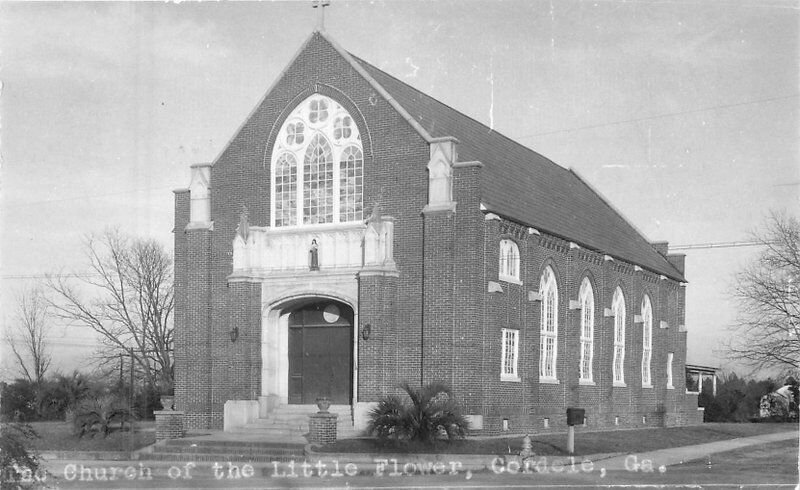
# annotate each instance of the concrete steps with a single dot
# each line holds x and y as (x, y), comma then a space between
(220, 450)
(290, 423)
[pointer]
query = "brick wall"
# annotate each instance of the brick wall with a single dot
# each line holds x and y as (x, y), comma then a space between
(528, 403)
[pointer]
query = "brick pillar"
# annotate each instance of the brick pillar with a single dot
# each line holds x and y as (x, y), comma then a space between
(438, 322)
(379, 338)
(468, 286)
(181, 294)
(193, 354)
(244, 353)
(169, 424)
(322, 428)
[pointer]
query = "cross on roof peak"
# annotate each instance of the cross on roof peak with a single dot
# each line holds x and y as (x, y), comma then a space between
(321, 4)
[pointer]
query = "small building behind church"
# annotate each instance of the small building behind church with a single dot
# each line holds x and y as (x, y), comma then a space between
(356, 233)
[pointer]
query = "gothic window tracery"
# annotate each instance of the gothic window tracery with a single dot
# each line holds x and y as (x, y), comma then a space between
(548, 343)
(317, 166)
(618, 308)
(586, 299)
(647, 340)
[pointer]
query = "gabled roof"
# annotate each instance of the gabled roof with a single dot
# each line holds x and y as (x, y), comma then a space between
(518, 183)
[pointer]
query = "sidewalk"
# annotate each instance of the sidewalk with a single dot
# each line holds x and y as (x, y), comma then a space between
(679, 455)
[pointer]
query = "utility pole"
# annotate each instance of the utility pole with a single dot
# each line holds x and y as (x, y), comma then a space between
(130, 406)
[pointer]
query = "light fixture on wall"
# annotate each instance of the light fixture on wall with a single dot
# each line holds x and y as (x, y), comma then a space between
(366, 330)
(234, 334)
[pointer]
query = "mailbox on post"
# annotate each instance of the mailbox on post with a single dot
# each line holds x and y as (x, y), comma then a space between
(575, 416)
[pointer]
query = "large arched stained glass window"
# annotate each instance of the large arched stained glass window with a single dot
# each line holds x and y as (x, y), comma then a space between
(322, 137)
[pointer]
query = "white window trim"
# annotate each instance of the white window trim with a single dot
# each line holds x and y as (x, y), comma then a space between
(586, 299)
(548, 283)
(505, 245)
(670, 359)
(300, 113)
(647, 349)
(514, 376)
(618, 307)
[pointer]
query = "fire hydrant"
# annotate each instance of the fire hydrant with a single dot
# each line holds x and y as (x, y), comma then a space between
(526, 452)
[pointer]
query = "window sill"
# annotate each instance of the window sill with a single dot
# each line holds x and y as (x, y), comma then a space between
(647, 385)
(510, 280)
(619, 384)
(548, 380)
(586, 382)
(670, 387)
(692, 392)
(510, 378)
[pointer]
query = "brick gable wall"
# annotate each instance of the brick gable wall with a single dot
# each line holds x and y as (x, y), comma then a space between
(395, 176)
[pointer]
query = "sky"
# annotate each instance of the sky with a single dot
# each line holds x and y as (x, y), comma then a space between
(684, 114)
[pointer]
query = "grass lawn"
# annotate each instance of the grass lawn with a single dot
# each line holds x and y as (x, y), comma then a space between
(631, 441)
(58, 436)
(766, 463)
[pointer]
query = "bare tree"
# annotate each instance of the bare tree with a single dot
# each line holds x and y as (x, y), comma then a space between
(28, 335)
(127, 299)
(767, 333)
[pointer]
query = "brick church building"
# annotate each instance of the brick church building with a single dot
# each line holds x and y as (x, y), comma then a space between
(356, 233)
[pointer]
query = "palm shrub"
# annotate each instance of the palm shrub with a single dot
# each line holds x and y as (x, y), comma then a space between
(429, 413)
(97, 414)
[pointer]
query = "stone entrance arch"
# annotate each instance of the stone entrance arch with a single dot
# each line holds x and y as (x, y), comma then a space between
(296, 326)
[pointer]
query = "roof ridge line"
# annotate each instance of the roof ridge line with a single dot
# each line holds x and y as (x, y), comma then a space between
(491, 130)
(379, 88)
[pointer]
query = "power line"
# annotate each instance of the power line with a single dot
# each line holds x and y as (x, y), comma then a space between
(62, 342)
(659, 116)
(43, 275)
(695, 246)
(87, 197)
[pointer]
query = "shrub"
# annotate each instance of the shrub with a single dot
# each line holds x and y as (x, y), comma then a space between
(19, 401)
(429, 413)
(18, 465)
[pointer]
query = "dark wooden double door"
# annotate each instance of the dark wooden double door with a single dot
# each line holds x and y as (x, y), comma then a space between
(321, 353)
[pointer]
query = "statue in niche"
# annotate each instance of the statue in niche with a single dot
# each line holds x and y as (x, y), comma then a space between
(244, 224)
(376, 213)
(313, 254)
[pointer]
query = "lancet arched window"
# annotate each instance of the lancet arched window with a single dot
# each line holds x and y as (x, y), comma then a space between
(586, 299)
(317, 166)
(647, 339)
(509, 260)
(618, 309)
(548, 335)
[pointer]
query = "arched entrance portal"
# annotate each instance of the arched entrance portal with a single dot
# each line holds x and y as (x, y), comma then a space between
(321, 352)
